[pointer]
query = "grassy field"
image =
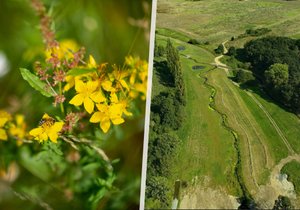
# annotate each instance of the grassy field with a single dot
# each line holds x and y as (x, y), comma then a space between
(216, 21)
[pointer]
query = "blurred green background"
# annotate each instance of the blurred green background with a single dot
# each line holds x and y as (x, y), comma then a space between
(109, 30)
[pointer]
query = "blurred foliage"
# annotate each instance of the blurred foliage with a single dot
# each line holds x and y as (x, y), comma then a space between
(109, 30)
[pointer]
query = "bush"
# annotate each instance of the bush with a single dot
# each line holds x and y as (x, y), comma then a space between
(194, 42)
(243, 76)
(219, 49)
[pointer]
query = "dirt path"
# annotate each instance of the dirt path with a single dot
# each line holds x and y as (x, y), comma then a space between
(218, 63)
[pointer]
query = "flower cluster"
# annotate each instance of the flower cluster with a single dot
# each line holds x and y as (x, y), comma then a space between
(103, 93)
(109, 90)
(48, 129)
(14, 127)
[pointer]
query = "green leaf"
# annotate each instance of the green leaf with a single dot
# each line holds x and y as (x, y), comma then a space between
(79, 71)
(35, 82)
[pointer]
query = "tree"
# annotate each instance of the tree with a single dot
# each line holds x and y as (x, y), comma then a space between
(277, 75)
(220, 49)
(282, 203)
(243, 76)
(159, 50)
(231, 51)
(173, 60)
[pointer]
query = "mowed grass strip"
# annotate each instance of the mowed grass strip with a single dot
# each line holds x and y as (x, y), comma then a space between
(208, 148)
(256, 160)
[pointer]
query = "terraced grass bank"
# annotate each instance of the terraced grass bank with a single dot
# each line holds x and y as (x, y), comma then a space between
(233, 139)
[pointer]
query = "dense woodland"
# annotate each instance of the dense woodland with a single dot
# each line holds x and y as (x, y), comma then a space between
(275, 61)
(167, 115)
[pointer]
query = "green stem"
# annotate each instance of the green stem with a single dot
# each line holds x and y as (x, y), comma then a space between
(61, 104)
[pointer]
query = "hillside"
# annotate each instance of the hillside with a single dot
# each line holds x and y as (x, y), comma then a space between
(235, 139)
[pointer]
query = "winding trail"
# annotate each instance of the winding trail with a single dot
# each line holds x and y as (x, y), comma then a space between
(218, 63)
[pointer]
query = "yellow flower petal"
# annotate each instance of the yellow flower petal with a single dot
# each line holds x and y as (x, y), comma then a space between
(46, 116)
(42, 137)
(88, 105)
(3, 121)
(132, 79)
(114, 98)
(19, 119)
(80, 86)
(92, 86)
(107, 85)
(117, 120)
(127, 113)
(102, 107)
(3, 135)
(56, 127)
(36, 131)
(96, 117)
(124, 84)
(105, 125)
(77, 100)
(70, 83)
(53, 137)
(92, 63)
(98, 97)
(115, 109)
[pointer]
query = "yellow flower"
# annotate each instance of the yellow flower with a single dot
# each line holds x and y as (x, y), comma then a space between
(64, 50)
(92, 63)
(87, 93)
(70, 82)
(107, 86)
(106, 115)
(119, 76)
(138, 88)
(4, 118)
(48, 128)
(18, 130)
(90, 75)
(124, 105)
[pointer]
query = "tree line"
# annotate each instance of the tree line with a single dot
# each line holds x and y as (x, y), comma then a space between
(275, 61)
(167, 115)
